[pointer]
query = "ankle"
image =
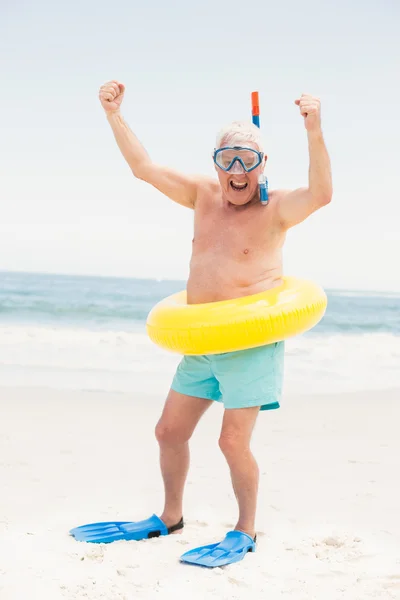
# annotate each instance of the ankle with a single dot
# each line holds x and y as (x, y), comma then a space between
(171, 518)
(246, 528)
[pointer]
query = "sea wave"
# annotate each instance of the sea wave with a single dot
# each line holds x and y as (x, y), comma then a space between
(123, 304)
(75, 358)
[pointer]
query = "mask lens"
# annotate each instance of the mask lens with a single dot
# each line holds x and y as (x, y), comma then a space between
(250, 158)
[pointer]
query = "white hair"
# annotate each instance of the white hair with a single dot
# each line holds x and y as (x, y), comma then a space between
(238, 133)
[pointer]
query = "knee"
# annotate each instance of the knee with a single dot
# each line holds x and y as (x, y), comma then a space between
(232, 444)
(170, 434)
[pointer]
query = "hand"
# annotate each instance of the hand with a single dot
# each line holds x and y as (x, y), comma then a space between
(310, 109)
(111, 95)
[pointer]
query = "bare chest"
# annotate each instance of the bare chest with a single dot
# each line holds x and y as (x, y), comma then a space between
(242, 233)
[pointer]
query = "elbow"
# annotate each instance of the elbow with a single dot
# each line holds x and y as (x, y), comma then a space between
(322, 198)
(325, 199)
(141, 171)
(138, 173)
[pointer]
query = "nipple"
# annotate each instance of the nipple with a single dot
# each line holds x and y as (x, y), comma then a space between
(245, 251)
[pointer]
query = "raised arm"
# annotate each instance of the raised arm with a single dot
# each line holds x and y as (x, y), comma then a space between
(177, 186)
(296, 205)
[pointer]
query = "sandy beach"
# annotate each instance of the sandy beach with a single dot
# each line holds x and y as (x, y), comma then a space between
(328, 517)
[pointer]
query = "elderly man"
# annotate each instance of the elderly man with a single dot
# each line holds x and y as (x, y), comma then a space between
(236, 252)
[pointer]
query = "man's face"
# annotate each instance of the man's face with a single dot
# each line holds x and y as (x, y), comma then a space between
(238, 186)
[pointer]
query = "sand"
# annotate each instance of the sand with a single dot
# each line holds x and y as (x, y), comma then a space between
(328, 517)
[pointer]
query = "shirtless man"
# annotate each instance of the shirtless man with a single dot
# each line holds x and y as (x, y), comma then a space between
(236, 252)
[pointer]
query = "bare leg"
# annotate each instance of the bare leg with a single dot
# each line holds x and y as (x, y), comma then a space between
(237, 427)
(178, 420)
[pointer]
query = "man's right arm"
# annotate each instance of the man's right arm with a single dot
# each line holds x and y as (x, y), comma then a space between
(179, 187)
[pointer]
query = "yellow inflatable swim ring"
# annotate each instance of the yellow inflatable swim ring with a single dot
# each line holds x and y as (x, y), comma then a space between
(230, 325)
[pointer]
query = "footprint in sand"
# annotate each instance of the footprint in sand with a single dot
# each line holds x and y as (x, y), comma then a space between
(201, 523)
(95, 554)
(237, 582)
(392, 582)
(338, 548)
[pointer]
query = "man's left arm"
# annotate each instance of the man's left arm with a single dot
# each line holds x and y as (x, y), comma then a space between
(296, 205)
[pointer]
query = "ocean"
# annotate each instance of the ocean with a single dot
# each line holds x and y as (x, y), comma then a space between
(88, 333)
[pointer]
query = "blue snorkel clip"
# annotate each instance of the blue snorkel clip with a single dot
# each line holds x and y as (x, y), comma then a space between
(263, 185)
(262, 180)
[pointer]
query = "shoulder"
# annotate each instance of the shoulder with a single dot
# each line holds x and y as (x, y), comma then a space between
(271, 212)
(204, 181)
(275, 198)
(207, 189)
(277, 195)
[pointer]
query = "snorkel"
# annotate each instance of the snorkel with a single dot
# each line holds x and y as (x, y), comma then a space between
(262, 180)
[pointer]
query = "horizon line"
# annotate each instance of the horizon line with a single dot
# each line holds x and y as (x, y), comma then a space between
(172, 280)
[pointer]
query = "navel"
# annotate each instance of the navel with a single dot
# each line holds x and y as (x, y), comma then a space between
(245, 251)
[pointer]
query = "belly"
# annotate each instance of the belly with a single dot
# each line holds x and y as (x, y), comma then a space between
(216, 277)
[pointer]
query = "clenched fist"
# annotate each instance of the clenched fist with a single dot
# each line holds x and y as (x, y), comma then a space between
(111, 95)
(310, 109)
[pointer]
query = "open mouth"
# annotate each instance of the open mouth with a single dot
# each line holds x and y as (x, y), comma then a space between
(238, 187)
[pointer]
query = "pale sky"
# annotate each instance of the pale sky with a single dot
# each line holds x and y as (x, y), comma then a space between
(68, 201)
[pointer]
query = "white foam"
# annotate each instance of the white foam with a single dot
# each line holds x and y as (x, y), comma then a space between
(363, 294)
(128, 361)
(81, 359)
(337, 363)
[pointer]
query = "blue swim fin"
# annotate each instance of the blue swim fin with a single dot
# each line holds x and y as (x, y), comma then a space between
(232, 549)
(112, 531)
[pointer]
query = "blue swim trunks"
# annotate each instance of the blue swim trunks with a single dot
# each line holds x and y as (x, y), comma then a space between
(239, 379)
